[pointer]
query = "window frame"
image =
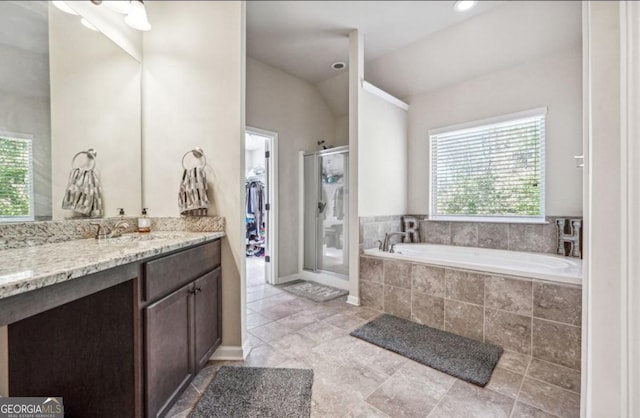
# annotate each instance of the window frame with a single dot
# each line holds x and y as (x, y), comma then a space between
(530, 219)
(31, 215)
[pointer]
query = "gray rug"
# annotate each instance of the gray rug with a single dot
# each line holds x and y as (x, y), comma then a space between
(248, 392)
(458, 356)
(314, 291)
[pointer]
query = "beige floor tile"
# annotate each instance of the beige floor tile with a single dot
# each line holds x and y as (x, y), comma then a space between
(549, 398)
(265, 356)
(516, 362)
(522, 410)
(555, 374)
(506, 382)
(331, 401)
(365, 410)
(271, 332)
(322, 332)
(468, 401)
(294, 345)
(299, 320)
(346, 321)
(186, 402)
(401, 398)
(254, 320)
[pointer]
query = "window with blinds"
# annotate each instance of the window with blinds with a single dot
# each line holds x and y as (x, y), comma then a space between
(16, 177)
(489, 170)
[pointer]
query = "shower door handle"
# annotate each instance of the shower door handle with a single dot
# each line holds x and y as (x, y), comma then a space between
(321, 206)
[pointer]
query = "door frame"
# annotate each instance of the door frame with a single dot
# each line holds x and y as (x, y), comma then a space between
(271, 267)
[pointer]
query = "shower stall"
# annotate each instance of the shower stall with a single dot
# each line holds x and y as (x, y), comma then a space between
(326, 211)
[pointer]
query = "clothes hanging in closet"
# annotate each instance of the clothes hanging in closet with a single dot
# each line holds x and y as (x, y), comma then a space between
(255, 203)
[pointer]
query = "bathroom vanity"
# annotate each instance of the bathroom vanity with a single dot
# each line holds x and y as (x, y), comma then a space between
(117, 328)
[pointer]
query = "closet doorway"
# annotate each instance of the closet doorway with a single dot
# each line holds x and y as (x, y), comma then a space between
(260, 206)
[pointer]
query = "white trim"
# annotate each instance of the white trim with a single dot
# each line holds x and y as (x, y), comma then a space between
(272, 190)
(353, 300)
(246, 349)
(586, 373)
(492, 219)
(539, 111)
(300, 213)
(376, 91)
(228, 352)
(356, 73)
(630, 205)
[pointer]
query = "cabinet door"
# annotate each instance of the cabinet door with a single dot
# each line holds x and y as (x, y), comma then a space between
(169, 363)
(208, 329)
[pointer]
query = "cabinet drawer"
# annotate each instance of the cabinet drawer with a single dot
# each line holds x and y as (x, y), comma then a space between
(168, 273)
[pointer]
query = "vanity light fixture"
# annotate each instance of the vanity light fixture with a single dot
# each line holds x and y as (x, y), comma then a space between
(137, 17)
(62, 5)
(464, 5)
(119, 6)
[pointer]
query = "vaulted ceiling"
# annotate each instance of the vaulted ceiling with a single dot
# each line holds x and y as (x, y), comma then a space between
(410, 46)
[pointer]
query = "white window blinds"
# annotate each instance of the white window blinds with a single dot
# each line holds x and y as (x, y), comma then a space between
(490, 169)
(16, 177)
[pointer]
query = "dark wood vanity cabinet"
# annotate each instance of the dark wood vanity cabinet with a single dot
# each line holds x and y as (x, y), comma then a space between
(183, 327)
(124, 342)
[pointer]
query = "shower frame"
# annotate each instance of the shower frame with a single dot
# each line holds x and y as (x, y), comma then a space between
(317, 231)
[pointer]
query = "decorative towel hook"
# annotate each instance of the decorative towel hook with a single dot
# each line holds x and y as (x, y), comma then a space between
(91, 157)
(198, 153)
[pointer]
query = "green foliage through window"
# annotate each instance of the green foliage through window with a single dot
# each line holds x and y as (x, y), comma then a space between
(493, 170)
(16, 186)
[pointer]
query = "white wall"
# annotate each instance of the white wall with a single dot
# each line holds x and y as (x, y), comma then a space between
(554, 81)
(602, 290)
(193, 96)
(342, 130)
(95, 103)
(382, 158)
(279, 102)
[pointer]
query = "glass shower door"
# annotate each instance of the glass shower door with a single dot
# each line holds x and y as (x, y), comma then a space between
(332, 244)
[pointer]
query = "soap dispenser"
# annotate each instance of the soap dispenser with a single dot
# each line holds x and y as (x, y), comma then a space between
(144, 223)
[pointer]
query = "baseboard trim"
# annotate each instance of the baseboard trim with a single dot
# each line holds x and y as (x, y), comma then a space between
(228, 352)
(246, 349)
(353, 300)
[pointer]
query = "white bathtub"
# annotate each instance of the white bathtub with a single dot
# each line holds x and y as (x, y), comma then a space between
(513, 263)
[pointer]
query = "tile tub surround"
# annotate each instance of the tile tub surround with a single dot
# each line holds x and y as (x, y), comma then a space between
(27, 234)
(29, 268)
(373, 228)
(528, 316)
(537, 238)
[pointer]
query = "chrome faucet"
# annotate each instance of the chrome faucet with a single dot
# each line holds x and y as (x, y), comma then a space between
(105, 232)
(385, 244)
(118, 229)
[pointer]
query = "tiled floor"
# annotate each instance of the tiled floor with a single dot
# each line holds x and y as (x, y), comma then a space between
(353, 378)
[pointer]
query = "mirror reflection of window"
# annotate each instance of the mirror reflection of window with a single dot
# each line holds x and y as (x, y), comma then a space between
(16, 177)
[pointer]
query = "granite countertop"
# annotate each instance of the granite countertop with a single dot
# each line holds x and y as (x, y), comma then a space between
(26, 269)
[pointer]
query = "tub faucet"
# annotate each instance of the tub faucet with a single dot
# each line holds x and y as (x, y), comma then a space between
(387, 237)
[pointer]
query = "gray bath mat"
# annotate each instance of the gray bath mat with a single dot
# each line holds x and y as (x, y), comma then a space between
(247, 392)
(314, 291)
(458, 356)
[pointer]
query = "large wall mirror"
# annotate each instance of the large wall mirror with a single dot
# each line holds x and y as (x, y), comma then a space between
(66, 89)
